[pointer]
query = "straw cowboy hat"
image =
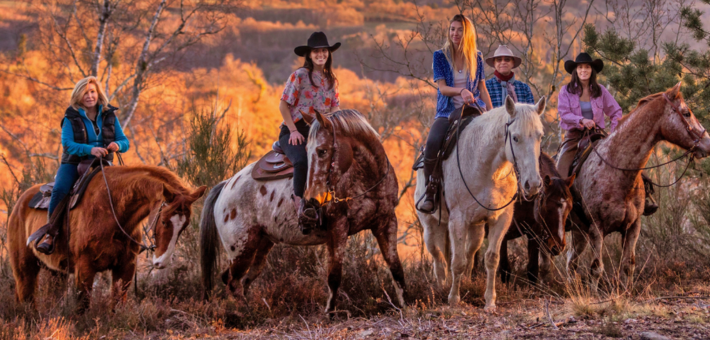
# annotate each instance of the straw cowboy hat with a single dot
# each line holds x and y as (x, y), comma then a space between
(584, 58)
(317, 40)
(503, 51)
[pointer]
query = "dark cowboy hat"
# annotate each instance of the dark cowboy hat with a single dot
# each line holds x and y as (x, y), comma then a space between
(317, 40)
(584, 58)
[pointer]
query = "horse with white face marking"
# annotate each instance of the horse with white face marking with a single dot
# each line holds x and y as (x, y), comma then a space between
(488, 149)
(250, 216)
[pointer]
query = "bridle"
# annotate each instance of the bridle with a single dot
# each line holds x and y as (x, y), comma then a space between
(515, 167)
(697, 135)
(151, 240)
(313, 210)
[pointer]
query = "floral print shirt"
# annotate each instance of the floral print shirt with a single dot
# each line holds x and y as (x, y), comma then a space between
(302, 96)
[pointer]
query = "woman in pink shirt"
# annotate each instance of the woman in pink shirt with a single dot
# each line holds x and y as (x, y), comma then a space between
(582, 105)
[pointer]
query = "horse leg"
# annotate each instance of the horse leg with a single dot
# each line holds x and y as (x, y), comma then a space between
(533, 264)
(433, 237)
(579, 244)
(84, 277)
(337, 240)
(259, 261)
(387, 240)
(596, 240)
(121, 278)
(496, 234)
(472, 247)
(545, 264)
(243, 260)
(504, 269)
(628, 260)
(25, 269)
(457, 238)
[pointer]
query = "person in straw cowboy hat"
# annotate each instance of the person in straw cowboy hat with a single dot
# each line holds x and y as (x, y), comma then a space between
(503, 82)
(311, 87)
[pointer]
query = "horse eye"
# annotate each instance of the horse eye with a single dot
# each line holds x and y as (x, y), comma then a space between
(321, 152)
(686, 114)
(515, 138)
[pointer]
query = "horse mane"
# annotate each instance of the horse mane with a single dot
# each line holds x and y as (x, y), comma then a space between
(494, 121)
(135, 176)
(349, 123)
(646, 100)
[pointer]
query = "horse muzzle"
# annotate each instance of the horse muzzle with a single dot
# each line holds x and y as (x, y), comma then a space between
(554, 247)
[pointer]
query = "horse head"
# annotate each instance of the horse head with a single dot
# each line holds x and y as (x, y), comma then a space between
(523, 135)
(174, 216)
(679, 125)
(332, 144)
(552, 207)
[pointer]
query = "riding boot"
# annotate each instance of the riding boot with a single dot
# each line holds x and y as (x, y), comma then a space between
(50, 231)
(650, 205)
(428, 206)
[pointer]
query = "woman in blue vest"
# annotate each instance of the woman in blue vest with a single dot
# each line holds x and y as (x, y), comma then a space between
(89, 129)
(458, 72)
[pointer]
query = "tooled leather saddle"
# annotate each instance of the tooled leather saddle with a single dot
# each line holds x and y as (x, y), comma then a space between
(87, 169)
(272, 166)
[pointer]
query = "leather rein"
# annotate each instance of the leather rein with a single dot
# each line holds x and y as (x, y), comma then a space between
(693, 134)
(330, 195)
(146, 229)
(515, 166)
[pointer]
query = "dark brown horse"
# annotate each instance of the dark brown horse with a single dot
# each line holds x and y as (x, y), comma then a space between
(93, 242)
(610, 183)
(542, 221)
(249, 216)
(348, 167)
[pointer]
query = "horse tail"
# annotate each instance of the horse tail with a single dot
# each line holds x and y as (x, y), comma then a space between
(209, 239)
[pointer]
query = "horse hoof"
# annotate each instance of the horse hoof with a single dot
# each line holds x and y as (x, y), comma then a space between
(490, 309)
(453, 301)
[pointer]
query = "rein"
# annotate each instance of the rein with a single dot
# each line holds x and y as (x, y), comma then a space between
(688, 128)
(143, 247)
(330, 196)
(515, 166)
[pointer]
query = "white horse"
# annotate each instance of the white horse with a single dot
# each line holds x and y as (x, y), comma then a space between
(486, 162)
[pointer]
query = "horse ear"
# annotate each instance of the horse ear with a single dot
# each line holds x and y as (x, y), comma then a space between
(541, 104)
(570, 180)
(674, 91)
(194, 196)
(308, 117)
(324, 122)
(548, 180)
(510, 106)
(168, 194)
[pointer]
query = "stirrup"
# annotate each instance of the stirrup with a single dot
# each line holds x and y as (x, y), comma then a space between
(46, 250)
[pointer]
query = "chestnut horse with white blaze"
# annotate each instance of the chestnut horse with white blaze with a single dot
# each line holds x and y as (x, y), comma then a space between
(93, 242)
(250, 216)
(610, 183)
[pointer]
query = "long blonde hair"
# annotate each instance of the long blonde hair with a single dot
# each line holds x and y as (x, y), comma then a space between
(80, 89)
(467, 46)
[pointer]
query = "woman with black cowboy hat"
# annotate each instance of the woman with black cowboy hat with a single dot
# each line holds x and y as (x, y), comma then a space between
(310, 88)
(582, 105)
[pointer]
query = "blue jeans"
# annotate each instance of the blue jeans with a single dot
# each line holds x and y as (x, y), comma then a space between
(298, 155)
(66, 177)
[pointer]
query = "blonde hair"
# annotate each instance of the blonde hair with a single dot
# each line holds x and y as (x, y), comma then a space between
(467, 46)
(80, 89)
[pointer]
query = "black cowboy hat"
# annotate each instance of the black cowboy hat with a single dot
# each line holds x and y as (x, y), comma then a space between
(584, 58)
(317, 40)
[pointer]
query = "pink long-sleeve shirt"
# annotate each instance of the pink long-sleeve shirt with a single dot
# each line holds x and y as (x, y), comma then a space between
(571, 112)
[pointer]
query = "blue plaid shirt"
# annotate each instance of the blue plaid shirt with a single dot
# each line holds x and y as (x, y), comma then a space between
(443, 70)
(495, 90)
